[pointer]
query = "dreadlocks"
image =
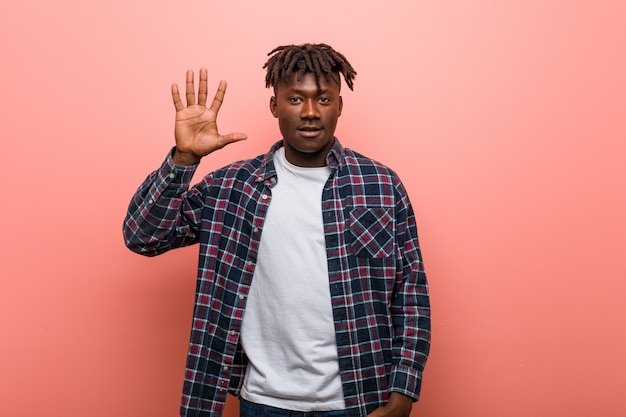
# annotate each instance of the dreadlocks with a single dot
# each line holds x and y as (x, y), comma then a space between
(299, 59)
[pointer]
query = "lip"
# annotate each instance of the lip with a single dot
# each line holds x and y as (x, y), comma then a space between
(309, 131)
(310, 128)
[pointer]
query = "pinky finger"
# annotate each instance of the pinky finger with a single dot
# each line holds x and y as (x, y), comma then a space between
(176, 98)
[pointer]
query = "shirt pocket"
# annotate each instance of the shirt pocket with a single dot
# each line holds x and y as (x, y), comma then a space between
(372, 229)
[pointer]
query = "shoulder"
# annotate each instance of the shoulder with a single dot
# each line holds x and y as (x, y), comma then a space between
(247, 169)
(243, 170)
(367, 177)
(368, 167)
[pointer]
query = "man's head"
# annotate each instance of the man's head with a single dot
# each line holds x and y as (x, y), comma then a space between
(307, 100)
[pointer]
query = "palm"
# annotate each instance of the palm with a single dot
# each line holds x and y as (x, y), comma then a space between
(196, 130)
(196, 125)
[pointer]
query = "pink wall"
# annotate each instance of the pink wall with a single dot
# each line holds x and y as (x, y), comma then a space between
(506, 121)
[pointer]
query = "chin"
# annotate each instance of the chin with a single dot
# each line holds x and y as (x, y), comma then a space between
(309, 149)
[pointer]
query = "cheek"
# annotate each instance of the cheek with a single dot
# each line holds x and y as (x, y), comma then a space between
(285, 122)
(333, 115)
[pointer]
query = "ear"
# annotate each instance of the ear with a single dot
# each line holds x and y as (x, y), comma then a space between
(273, 106)
(340, 105)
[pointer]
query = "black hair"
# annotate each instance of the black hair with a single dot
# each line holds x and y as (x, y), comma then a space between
(318, 59)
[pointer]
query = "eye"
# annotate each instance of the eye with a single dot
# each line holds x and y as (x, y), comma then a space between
(294, 100)
(324, 100)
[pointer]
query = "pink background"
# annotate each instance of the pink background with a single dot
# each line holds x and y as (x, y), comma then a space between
(506, 121)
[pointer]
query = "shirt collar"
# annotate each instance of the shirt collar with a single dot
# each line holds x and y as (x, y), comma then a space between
(334, 160)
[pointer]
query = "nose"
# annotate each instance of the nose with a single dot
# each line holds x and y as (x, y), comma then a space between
(310, 110)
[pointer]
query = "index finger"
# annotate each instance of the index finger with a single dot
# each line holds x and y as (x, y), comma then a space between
(219, 97)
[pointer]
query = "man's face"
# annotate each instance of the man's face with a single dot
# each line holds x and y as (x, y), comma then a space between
(307, 118)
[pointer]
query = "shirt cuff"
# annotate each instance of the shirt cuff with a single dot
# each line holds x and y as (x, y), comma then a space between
(174, 175)
(406, 381)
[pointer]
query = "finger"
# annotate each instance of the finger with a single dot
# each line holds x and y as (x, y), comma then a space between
(190, 90)
(176, 97)
(202, 89)
(230, 138)
(219, 97)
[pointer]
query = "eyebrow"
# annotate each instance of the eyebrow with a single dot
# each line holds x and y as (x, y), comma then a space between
(302, 91)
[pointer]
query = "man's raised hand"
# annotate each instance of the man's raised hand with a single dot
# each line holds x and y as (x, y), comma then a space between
(196, 125)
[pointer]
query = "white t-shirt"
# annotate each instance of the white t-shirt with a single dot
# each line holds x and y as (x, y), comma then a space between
(288, 330)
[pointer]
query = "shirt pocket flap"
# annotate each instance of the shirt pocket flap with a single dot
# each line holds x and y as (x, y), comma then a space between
(372, 230)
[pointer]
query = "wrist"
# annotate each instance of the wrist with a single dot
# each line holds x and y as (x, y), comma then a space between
(400, 402)
(184, 158)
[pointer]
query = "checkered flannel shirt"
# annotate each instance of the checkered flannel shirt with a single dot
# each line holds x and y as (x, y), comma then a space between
(378, 287)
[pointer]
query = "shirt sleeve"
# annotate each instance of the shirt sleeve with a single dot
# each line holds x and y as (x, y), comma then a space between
(410, 306)
(164, 213)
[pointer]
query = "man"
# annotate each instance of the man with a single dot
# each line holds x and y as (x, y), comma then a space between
(311, 297)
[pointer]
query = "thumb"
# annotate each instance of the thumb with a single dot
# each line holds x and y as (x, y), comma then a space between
(230, 138)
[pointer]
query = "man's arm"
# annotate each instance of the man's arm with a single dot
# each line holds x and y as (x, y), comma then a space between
(410, 315)
(163, 214)
(399, 405)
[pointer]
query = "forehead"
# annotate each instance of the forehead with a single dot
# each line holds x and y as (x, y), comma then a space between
(307, 82)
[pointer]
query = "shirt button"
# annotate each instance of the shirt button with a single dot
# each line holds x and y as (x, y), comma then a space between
(264, 196)
(172, 175)
(255, 230)
(150, 201)
(232, 332)
(241, 296)
(226, 367)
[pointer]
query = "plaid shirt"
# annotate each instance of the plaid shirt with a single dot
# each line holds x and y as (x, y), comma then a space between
(378, 287)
